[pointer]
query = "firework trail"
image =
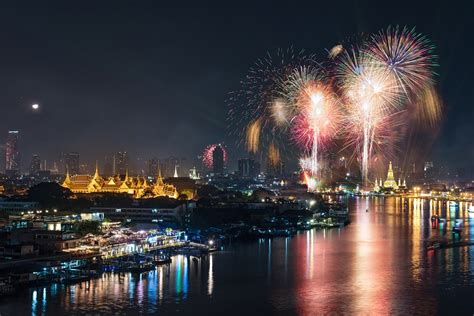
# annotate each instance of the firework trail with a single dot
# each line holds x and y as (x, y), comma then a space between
(258, 113)
(253, 136)
(317, 113)
(371, 94)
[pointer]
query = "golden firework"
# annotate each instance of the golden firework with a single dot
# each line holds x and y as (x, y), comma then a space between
(253, 136)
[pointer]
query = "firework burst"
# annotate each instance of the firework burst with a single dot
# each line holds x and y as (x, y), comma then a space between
(371, 94)
(317, 113)
(372, 91)
(259, 113)
(406, 54)
(208, 155)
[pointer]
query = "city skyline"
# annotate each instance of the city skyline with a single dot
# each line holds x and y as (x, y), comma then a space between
(214, 159)
(153, 119)
(270, 158)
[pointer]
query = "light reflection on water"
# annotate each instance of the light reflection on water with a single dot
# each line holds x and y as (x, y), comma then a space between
(376, 265)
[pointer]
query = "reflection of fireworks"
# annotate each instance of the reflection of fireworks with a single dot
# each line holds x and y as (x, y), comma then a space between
(208, 154)
(406, 54)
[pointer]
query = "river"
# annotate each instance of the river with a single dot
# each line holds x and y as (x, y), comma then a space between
(376, 265)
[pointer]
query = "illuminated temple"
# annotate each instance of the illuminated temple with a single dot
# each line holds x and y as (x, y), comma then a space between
(389, 182)
(136, 186)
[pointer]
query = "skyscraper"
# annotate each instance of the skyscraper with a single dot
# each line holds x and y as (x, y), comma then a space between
(218, 160)
(72, 162)
(121, 162)
(109, 165)
(248, 168)
(152, 167)
(35, 165)
(12, 154)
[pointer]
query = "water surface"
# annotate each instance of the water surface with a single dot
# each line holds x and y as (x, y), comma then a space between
(377, 265)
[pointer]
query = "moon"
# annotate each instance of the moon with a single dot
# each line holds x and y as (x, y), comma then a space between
(35, 106)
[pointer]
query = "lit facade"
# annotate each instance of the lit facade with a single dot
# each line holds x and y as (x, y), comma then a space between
(136, 186)
(389, 182)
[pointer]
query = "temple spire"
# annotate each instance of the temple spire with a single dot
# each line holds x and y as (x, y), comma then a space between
(96, 175)
(67, 180)
(126, 176)
(175, 171)
(159, 179)
(390, 182)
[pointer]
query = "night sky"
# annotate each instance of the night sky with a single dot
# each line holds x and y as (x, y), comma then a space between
(111, 76)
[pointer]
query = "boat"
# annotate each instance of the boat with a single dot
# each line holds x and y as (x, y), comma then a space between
(434, 246)
(457, 230)
(189, 251)
(162, 261)
(141, 267)
(72, 279)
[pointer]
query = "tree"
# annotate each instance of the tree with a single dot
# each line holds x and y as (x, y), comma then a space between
(207, 191)
(87, 227)
(49, 194)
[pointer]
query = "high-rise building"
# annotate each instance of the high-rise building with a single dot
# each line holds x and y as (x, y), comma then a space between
(72, 162)
(121, 162)
(12, 154)
(152, 167)
(54, 169)
(109, 166)
(276, 169)
(193, 174)
(248, 168)
(35, 165)
(168, 165)
(428, 171)
(218, 160)
(84, 168)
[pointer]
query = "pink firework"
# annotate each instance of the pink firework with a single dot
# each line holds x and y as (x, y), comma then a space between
(208, 154)
(319, 115)
(317, 120)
